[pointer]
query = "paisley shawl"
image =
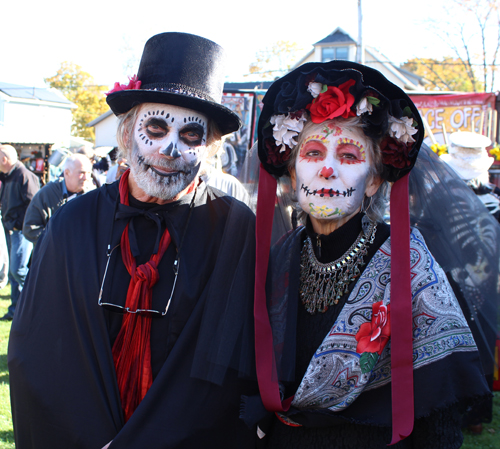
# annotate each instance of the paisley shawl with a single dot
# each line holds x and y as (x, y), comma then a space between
(334, 378)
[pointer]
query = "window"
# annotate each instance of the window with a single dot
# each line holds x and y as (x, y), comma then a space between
(342, 53)
(330, 53)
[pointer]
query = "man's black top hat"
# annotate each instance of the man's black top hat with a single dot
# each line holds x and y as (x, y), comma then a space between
(182, 70)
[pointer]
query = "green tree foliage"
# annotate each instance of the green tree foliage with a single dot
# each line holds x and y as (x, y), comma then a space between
(446, 74)
(79, 88)
(276, 60)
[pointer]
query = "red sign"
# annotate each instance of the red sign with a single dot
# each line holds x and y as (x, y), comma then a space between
(457, 112)
(39, 164)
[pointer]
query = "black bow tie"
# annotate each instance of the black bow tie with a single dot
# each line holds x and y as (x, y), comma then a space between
(129, 212)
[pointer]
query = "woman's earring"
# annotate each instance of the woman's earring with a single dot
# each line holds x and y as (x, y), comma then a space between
(365, 208)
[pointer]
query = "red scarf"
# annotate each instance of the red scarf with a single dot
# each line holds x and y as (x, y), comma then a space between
(132, 348)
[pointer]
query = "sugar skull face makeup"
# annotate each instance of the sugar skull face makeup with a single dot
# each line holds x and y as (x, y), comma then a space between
(332, 172)
(169, 145)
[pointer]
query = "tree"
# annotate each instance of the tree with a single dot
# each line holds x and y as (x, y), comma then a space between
(79, 88)
(473, 34)
(446, 74)
(275, 60)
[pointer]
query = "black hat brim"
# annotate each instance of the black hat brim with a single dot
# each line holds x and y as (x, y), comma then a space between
(287, 88)
(122, 101)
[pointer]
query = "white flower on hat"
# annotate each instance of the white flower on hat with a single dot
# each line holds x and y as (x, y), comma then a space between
(286, 129)
(315, 89)
(402, 129)
(364, 106)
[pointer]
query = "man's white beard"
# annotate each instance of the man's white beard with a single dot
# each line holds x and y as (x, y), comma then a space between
(158, 186)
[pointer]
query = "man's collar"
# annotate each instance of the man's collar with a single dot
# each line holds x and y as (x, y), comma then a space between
(66, 193)
(64, 188)
(17, 164)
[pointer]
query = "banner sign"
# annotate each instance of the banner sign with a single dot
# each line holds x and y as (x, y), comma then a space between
(457, 112)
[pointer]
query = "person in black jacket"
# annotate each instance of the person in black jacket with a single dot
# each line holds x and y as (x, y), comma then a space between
(76, 181)
(135, 326)
(359, 337)
(18, 187)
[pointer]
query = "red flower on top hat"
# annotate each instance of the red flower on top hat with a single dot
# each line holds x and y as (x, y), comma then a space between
(372, 337)
(333, 102)
(133, 83)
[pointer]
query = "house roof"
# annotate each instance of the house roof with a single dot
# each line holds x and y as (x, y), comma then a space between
(33, 93)
(413, 77)
(410, 81)
(338, 36)
(100, 118)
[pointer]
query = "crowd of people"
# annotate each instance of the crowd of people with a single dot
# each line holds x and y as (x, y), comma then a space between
(189, 320)
(27, 205)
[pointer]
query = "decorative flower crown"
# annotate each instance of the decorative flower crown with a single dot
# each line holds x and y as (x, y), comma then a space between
(344, 96)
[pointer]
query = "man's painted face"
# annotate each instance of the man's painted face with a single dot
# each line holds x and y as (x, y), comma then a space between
(331, 171)
(169, 144)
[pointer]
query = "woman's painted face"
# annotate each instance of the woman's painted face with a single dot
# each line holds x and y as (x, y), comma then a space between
(168, 146)
(332, 172)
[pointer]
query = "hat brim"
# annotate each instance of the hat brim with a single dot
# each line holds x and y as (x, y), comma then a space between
(290, 94)
(465, 171)
(122, 101)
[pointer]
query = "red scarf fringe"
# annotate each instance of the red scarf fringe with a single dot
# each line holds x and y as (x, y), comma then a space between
(132, 348)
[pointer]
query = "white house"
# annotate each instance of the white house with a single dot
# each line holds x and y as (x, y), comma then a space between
(339, 45)
(33, 119)
(105, 129)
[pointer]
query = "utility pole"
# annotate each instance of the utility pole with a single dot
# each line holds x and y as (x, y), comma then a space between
(360, 48)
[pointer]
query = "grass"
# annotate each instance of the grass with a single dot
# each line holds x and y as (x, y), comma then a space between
(490, 438)
(6, 431)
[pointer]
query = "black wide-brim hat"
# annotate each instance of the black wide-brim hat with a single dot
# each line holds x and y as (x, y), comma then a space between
(182, 70)
(291, 97)
(290, 94)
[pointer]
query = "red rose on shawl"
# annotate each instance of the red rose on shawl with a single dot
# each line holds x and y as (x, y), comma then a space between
(395, 153)
(372, 337)
(133, 83)
(334, 102)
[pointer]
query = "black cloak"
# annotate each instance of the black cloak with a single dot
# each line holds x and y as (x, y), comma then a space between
(63, 385)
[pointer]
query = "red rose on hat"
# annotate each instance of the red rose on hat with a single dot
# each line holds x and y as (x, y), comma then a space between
(275, 156)
(334, 102)
(373, 336)
(395, 153)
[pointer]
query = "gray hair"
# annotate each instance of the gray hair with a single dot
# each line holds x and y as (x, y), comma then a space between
(69, 163)
(10, 153)
(375, 206)
(125, 131)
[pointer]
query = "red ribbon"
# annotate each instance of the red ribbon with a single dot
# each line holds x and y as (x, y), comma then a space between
(401, 314)
(264, 349)
(132, 348)
(401, 307)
